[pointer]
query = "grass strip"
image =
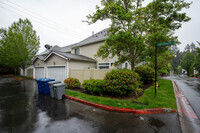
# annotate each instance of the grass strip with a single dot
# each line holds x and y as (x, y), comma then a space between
(165, 98)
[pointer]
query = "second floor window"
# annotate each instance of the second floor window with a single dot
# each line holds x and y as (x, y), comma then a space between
(77, 51)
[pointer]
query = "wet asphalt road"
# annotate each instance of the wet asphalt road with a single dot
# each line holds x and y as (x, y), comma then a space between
(191, 89)
(23, 110)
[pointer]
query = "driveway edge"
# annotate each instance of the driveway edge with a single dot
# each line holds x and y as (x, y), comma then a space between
(122, 110)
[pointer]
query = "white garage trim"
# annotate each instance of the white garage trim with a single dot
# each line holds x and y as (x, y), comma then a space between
(67, 69)
(55, 54)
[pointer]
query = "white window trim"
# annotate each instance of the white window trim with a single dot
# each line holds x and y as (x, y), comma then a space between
(109, 65)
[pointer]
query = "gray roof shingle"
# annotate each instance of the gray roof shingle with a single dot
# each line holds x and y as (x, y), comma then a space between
(67, 49)
(76, 57)
(98, 37)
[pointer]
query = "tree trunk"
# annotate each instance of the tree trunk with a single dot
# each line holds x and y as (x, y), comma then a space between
(132, 65)
(23, 71)
(188, 72)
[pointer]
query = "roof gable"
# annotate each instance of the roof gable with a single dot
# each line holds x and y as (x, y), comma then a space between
(70, 56)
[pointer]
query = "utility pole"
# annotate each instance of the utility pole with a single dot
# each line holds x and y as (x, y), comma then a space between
(155, 68)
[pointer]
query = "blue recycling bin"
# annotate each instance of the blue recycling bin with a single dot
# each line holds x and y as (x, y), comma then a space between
(43, 86)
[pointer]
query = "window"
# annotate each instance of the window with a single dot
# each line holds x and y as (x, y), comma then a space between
(103, 65)
(77, 51)
(126, 65)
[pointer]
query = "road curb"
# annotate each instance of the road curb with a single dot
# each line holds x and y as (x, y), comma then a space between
(122, 110)
(16, 78)
(189, 121)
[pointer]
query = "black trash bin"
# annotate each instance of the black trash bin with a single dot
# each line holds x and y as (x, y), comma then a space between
(59, 90)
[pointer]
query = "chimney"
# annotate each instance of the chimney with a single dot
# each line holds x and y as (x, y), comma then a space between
(93, 33)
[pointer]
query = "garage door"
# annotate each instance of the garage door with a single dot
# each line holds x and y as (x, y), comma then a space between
(39, 72)
(57, 73)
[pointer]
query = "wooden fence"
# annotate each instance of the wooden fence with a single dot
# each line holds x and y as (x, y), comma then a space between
(85, 74)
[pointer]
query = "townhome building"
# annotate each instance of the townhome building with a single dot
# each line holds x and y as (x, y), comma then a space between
(56, 62)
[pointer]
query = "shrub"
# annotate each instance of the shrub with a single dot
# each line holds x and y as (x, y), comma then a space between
(138, 92)
(146, 73)
(94, 86)
(163, 72)
(72, 83)
(121, 82)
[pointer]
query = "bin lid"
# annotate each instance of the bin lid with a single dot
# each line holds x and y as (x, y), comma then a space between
(45, 79)
(53, 82)
(59, 84)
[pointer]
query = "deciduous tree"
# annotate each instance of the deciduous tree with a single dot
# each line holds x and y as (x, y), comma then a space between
(187, 62)
(135, 29)
(18, 44)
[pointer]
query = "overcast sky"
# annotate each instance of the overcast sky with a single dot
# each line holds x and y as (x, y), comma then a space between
(59, 22)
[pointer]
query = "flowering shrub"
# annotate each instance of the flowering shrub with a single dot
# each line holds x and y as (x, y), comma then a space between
(121, 82)
(146, 73)
(94, 86)
(72, 83)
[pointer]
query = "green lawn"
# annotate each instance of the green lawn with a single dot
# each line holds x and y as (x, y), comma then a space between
(165, 98)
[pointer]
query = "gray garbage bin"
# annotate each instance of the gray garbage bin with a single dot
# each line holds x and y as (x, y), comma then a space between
(52, 91)
(59, 90)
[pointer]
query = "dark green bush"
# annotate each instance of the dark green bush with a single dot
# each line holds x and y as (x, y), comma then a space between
(72, 83)
(163, 72)
(94, 86)
(121, 82)
(146, 73)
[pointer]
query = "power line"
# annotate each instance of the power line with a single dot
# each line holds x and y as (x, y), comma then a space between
(33, 19)
(38, 19)
(44, 21)
(55, 23)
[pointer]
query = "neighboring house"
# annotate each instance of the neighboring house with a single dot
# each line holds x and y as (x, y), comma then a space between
(89, 48)
(28, 71)
(57, 61)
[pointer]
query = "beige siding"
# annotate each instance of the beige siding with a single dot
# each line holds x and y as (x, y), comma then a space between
(81, 65)
(30, 72)
(38, 63)
(85, 74)
(55, 60)
(91, 49)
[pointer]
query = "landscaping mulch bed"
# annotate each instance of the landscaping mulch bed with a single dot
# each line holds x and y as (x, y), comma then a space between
(145, 86)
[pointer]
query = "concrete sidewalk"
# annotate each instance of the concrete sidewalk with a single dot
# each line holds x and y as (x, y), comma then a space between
(189, 121)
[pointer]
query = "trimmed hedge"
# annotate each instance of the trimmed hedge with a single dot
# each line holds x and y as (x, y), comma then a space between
(94, 86)
(163, 72)
(146, 73)
(72, 83)
(121, 82)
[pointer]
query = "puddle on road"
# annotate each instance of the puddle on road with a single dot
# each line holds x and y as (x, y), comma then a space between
(156, 122)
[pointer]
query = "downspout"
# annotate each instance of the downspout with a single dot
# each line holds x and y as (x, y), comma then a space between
(67, 68)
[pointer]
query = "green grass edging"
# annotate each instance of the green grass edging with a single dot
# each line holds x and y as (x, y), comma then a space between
(165, 98)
